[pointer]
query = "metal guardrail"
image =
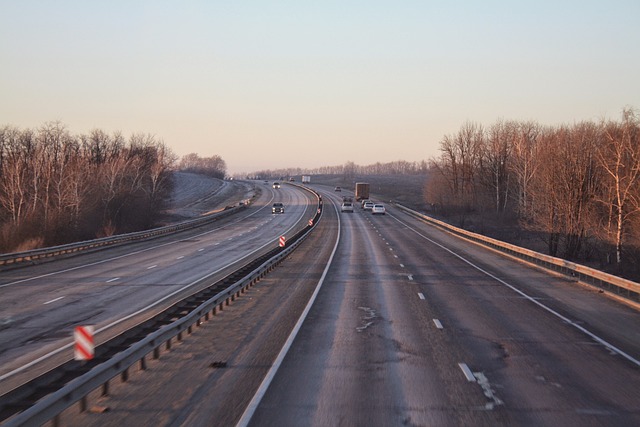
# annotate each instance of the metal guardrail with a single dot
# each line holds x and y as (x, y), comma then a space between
(622, 287)
(19, 258)
(77, 390)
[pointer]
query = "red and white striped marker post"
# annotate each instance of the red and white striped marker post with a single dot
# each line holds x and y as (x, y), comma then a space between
(311, 222)
(83, 337)
(282, 241)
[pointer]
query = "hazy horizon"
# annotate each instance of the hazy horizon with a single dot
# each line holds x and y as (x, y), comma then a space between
(269, 85)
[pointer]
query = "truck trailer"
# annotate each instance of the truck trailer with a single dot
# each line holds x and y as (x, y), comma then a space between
(362, 191)
(306, 179)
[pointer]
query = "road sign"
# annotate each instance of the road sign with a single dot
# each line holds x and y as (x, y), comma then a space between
(311, 222)
(282, 241)
(83, 336)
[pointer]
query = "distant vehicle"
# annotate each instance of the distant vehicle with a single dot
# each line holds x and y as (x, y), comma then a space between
(362, 190)
(347, 199)
(337, 189)
(368, 206)
(378, 209)
(292, 179)
(362, 202)
(306, 179)
(276, 185)
(346, 207)
(277, 208)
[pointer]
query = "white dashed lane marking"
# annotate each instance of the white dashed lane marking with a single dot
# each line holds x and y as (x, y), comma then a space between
(467, 372)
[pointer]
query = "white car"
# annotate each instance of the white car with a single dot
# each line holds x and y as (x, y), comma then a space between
(367, 206)
(378, 209)
(276, 185)
(346, 207)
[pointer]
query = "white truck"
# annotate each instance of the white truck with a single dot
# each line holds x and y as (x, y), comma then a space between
(306, 179)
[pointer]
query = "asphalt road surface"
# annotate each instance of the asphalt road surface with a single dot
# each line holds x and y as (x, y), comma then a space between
(416, 327)
(116, 288)
(409, 326)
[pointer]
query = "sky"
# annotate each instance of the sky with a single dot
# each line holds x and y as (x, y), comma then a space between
(278, 84)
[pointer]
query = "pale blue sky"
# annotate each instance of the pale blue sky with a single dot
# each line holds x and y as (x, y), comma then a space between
(269, 84)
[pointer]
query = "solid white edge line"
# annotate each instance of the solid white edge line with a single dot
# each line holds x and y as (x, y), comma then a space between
(420, 295)
(253, 405)
(438, 323)
(606, 344)
(53, 300)
(467, 372)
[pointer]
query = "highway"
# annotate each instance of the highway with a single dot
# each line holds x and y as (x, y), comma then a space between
(416, 327)
(116, 288)
(383, 321)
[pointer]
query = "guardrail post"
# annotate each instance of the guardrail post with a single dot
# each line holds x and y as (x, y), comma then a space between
(169, 344)
(125, 375)
(105, 389)
(143, 364)
(156, 353)
(83, 404)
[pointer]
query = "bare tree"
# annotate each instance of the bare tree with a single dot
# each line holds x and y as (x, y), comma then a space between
(213, 166)
(524, 164)
(496, 159)
(563, 189)
(14, 188)
(619, 157)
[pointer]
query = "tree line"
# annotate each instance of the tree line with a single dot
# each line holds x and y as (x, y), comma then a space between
(213, 166)
(57, 187)
(577, 185)
(349, 170)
